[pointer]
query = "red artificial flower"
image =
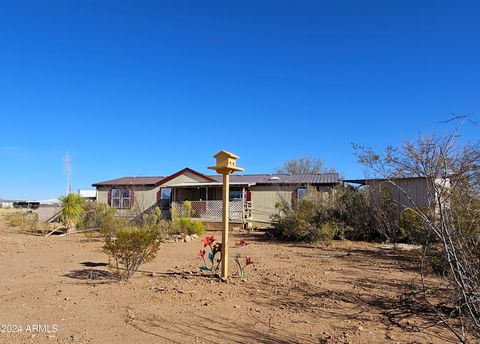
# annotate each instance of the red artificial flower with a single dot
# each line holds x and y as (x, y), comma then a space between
(243, 243)
(201, 254)
(248, 260)
(208, 240)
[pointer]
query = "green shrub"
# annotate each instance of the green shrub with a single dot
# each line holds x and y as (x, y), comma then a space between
(188, 226)
(130, 247)
(96, 216)
(412, 227)
(72, 209)
(155, 222)
(311, 220)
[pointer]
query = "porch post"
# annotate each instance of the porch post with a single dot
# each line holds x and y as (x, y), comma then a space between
(225, 221)
(243, 206)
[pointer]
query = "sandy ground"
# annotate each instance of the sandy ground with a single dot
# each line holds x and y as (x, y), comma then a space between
(342, 293)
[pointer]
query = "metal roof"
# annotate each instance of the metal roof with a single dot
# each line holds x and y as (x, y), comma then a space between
(238, 179)
(131, 181)
(321, 178)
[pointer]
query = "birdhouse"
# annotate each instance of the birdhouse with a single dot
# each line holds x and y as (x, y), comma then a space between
(226, 163)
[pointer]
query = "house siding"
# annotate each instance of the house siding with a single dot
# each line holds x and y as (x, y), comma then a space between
(418, 189)
(144, 196)
(265, 197)
(186, 177)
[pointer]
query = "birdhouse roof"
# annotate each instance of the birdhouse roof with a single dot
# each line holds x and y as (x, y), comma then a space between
(225, 153)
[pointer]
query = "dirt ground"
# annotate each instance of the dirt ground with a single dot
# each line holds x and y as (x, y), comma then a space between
(342, 293)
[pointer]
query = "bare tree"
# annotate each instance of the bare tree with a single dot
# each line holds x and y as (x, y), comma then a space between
(304, 165)
(452, 222)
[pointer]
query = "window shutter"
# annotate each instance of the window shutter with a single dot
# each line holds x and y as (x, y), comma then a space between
(249, 195)
(109, 197)
(132, 198)
(159, 194)
(294, 199)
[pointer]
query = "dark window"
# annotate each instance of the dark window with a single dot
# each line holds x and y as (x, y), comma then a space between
(301, 192)
(165, 197)
(236, 194)
(120, 198)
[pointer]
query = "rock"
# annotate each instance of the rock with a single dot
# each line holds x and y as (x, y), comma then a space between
(236, 306)
(187, 238)
(194, 236)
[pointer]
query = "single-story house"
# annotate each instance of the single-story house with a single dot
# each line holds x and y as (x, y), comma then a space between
(252, 196)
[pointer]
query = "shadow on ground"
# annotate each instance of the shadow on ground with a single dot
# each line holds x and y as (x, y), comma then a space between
(92, 275)
(222, 330)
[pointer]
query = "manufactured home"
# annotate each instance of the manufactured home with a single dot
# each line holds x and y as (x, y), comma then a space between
(252, 196)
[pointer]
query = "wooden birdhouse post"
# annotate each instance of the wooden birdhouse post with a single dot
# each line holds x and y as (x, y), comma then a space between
(226, 165)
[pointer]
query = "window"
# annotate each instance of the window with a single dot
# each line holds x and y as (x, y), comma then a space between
(120, 198)
(236, 194)
(165, 194)
(301, 192)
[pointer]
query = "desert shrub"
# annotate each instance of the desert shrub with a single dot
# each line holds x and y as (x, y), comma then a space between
(155, 222)
(96, 215)
(16, 219)
(183, 222)
(72, 208)
(26, 221)
(344, 213)
(132, 246)
(412, 227)
(189, 226)
(328, 231)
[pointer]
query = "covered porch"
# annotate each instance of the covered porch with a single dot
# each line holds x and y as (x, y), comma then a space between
(206, 202)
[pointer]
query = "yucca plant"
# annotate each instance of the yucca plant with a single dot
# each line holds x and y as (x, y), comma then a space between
(72, 209)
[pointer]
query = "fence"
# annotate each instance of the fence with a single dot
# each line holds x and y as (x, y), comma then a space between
(212, 210)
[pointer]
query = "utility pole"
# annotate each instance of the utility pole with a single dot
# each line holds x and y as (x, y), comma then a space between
(67, 172)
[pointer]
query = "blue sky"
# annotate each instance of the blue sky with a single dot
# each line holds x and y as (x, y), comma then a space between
(150, 87)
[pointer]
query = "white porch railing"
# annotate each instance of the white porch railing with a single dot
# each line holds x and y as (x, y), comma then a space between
(213, 209)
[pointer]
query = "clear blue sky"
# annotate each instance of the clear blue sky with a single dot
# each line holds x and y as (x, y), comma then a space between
(149, 87)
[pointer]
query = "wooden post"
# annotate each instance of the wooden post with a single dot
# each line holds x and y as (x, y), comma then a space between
(225, 222)
(226, 164)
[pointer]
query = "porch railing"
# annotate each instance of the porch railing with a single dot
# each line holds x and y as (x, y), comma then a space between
(213, 209)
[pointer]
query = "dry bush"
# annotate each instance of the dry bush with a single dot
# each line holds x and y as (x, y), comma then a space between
(26, 221)
(309, 220)
(130, 244)
(451, 222)
(131, 247)
(96, 216)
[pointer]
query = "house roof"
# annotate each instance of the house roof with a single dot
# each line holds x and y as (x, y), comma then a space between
(139, 181)
(321, 178)
(235, 179)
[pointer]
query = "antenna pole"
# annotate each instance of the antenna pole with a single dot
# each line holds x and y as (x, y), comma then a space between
(67, 172)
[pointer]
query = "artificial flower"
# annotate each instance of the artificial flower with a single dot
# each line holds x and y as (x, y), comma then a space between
(208, 240)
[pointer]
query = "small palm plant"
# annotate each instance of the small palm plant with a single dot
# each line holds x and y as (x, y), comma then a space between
(72, 209)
